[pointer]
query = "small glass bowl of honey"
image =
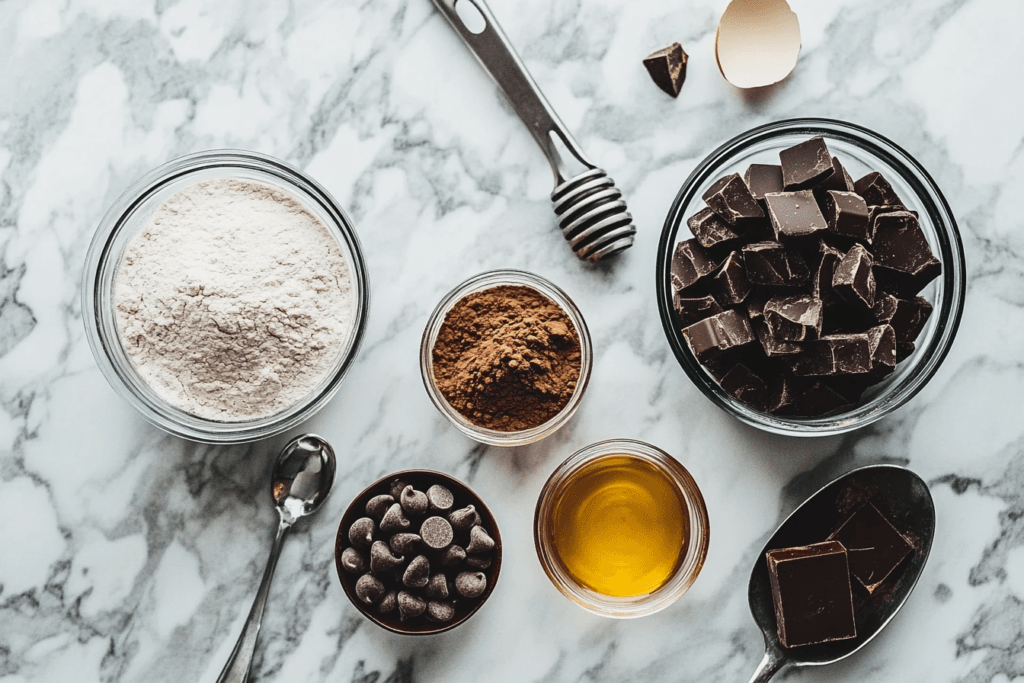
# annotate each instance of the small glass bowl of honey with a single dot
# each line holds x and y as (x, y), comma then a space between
(621, 529)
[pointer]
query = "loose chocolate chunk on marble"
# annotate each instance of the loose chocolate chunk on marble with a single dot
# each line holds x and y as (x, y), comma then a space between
(795, 215)
(821, 399)
(730, 198)
(784, 395)
(854, 279)
(821, 281)
(772, 345)
(847, 215)
(874, 546)
(812, 594)
(794, 318)
(718, 333)
(806, 164)
(882, 345)
(904, 350)
(690, 263)
(667, 68)
(902, 253)
(762, 179)
(850, 352)
(709, 229)
(694, 309)
(839, 181)
(729, 284)
(771, 264)
(876, 190)
(745, 386)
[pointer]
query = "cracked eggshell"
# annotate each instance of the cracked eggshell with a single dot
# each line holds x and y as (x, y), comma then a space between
(757, 43)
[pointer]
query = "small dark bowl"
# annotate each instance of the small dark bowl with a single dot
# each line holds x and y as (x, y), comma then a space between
(422, 480)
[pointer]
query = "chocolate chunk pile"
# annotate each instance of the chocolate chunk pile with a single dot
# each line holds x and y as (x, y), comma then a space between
(799, 289)
(417, 555)
(811, 586)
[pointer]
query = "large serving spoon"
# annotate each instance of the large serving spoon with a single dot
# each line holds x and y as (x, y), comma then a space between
(902, 497)
(303, 476)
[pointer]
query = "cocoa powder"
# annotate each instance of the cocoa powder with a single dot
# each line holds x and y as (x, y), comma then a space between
(507, 358)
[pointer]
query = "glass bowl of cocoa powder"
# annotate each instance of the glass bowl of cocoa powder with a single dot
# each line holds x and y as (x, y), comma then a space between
(506, 357)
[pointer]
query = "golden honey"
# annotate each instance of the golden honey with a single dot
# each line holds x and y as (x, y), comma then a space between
(619, 526)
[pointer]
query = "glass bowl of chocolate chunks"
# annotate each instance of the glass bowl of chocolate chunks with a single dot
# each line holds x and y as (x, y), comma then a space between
(810, 277)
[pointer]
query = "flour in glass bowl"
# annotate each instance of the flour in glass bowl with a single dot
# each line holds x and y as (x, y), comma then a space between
(234, 301)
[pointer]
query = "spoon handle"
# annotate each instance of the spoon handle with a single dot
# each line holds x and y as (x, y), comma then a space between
(769, 666)
(237, 668)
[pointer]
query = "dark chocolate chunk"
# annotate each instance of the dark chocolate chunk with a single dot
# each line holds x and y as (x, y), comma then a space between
(876, 190)
(821, 282)
(793, 318)
(907, 316)
(903, 350)
(847, 215)
(795, 215)
(851, 352)
(694, 309)
(784, 395)
(901, 248)
(729, 285)
(690, 263)
(436, 532)
(821, 399)
(774, 346)
(882, 345)
(730, 198)
(762, 179)
(839, 181)
(874, 546)
(851, 387)
(755, 303)
(771, 264)
(812, 594)
(718, 333)
(875, 211)
(744, 385)
(709, 228)
(806, 164)
(816, 360)
(667, 68)
(854, 280)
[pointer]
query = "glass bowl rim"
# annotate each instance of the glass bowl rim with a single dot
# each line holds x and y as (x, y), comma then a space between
(488, 280)
(101, 250)
(948, 311)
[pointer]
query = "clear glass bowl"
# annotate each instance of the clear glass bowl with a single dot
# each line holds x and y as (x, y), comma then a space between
(693, 555)
(861, 151)
(497, 278)
(124, 220)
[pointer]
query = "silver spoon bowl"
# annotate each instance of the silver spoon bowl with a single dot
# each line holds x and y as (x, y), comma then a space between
(303, 477)
(903, 498)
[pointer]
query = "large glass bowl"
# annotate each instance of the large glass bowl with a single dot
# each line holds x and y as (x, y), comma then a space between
(128, 216)
(860, 151)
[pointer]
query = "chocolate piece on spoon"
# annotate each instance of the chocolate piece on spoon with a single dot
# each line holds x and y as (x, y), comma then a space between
(667, 68)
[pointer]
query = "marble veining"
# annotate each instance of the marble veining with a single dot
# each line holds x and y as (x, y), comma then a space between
(130, 555)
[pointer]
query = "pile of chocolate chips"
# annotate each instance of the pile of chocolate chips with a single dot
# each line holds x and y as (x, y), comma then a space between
(800, 287)
(416, 555)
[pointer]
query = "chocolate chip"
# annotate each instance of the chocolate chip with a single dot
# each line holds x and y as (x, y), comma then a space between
(690, 264)
(437, 587)
(470, 584)
(730, 198)
(854, 279)
(436, 532)
(404, 543)
(417, 574)
(710, 229)
(453, 555)
(396, 488)
(369, 589)
(362, 532)
(414, 502)
(440, 610)
(806, 164)
(353, 561)
(718, 333)
(821, 282)
(479, 541)
(382, 559)
(462, 520)
(783, 395)
(389, 602)
(410, 605)
(852, 352)
(478, 561)
(394, 520)
(441, 499)
(377, 506)
(667, 68)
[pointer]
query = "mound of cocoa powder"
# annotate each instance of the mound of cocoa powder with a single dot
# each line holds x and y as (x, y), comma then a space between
(507, 358)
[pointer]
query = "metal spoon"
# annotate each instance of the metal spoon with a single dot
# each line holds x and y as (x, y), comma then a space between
(590, 209)
(303, 476)
(900, 495)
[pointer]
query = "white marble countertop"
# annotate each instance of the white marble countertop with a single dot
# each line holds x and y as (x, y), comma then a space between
(130, 555)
